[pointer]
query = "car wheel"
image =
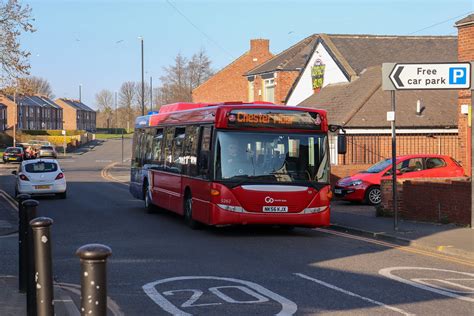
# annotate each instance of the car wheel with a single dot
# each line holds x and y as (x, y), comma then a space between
(373, 196)
(188, 212)
(63, 195)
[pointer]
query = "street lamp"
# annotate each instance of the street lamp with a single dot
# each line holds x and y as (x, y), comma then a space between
(80, 93)
(143, 78)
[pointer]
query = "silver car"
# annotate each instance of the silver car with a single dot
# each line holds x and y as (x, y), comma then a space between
(47, 151)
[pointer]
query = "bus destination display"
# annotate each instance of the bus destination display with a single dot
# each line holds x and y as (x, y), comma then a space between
(274, 119)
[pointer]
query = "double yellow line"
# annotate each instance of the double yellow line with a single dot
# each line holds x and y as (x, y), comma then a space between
(10, 200)
(409, 249)
(107, 176)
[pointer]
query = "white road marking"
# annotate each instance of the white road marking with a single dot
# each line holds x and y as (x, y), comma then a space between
(288, 307)
(387, 272)
(13, 203)
(395, 309)
(467, 289)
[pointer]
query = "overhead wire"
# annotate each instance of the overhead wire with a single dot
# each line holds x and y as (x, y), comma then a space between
(442, 22)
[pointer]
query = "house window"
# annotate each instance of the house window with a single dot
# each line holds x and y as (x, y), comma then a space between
(251, 91)
(269, 90)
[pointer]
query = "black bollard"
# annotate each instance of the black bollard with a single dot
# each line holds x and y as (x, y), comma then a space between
(94, 278)
(30, 207)
(22, 242)
(43, 264)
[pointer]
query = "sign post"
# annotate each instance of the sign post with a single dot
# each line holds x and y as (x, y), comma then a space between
(64, 147)
(424, 76)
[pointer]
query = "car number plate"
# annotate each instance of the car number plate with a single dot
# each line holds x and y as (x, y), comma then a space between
(275, 209)
(337, 191)
(12, 158)
(42, 186)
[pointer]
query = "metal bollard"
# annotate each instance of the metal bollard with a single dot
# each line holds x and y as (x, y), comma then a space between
(94, 279)
(43, 264)
(22, 242)
(30, 207)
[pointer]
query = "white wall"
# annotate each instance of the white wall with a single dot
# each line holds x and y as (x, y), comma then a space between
(332, 74)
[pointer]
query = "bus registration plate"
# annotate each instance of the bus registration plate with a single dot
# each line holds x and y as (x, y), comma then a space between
(275, 209)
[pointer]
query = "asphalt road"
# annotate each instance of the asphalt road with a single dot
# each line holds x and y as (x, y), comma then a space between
(160, 266)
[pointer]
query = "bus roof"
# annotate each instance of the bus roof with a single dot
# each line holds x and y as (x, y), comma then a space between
(255, 112)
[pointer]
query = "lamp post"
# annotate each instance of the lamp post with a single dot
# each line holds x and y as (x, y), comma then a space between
(151, 94)
(143, 78)
(80, 93)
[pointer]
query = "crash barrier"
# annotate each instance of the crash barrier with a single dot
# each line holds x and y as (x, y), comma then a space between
(35, 265)
(44, 275)
(93, 278)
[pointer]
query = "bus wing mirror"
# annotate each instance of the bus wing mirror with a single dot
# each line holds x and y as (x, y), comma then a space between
(341, 144)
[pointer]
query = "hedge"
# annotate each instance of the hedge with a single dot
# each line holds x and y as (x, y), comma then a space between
(111, 130)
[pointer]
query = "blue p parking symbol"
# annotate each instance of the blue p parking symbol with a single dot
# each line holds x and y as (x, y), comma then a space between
(457, 75)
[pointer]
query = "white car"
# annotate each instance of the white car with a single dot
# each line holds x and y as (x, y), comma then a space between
(40, 176)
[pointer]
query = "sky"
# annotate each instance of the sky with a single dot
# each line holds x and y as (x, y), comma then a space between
(95, 43)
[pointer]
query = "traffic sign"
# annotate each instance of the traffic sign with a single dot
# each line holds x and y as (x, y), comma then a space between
(431, 76)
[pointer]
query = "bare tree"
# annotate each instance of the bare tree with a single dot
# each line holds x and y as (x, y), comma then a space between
(138, 96)
(126, 101)
(181, 78)
(35, 85)
(14, 20)
(104, 101)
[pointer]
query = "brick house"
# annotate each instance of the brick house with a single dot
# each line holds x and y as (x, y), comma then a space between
(77, 115)
(341, 73)
(3, 117)
(465, 53)
(32, 112)
(229, 84)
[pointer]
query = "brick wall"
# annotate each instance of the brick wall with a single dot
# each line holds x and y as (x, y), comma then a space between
(230, 84)
(465, 53)
(69, 115)
(431, 200)
(11, 111)
(369, 149)
(283, 82)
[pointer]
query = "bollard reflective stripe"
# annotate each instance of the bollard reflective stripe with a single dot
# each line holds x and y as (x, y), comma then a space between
(29, 207)
(43, 264)
(22, 242)
(94, 278)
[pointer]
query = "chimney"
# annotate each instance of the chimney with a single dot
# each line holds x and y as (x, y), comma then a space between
(258, 46)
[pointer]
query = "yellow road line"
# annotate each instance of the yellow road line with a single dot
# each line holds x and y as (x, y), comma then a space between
(410, 249)
(107, 176)
(13, 203)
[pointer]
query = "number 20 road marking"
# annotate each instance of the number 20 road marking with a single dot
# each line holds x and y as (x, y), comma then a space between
(260, 294)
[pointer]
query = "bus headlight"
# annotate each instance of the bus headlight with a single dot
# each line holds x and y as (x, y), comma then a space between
(232, 208)
(312, 210)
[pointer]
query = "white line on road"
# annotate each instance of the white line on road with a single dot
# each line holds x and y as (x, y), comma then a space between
(387, 272)
(395, 309)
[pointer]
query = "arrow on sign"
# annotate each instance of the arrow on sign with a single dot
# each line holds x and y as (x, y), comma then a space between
(396, 76)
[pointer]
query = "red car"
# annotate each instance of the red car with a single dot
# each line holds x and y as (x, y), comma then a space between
(365, 185)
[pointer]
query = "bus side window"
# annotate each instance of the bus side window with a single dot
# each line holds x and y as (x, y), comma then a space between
(191, 143)
(148, 146)
(177, 150)
(157, 149)
(139, 150)
(204, 152)
(169, 136)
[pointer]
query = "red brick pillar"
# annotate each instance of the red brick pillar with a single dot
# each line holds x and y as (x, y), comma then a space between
(465, 53)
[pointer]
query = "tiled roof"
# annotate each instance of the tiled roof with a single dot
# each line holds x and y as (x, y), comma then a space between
(357, 52)
(34, 100)
(76, 104)
(363, 104)
(293, 58)
(467, 20)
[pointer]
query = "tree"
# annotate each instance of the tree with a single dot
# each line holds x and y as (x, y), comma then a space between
(126, 100)
(104, 101)
(14, 20)
(35, 85)
(138, 97)
(181, 78)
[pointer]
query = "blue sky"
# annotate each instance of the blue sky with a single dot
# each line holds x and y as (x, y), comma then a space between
(95, 43)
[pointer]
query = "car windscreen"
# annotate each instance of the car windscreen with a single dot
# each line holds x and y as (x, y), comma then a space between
(13, 150)
(380, 166)
(46, 148)
(41, 166)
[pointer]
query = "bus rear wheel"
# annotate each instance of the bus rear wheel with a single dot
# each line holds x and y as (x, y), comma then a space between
(149, 206)
(188, 213)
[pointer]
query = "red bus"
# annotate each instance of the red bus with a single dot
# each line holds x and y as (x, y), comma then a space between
(234, 163)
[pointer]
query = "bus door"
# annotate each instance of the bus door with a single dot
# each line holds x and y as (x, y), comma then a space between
(201, 186)
(170, 181)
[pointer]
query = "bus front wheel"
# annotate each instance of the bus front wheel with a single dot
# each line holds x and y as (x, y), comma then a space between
(188, 212)
(149, 207)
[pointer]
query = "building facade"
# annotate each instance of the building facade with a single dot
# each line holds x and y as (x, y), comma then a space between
(77, 115)
(229, 84)
(32, 112)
